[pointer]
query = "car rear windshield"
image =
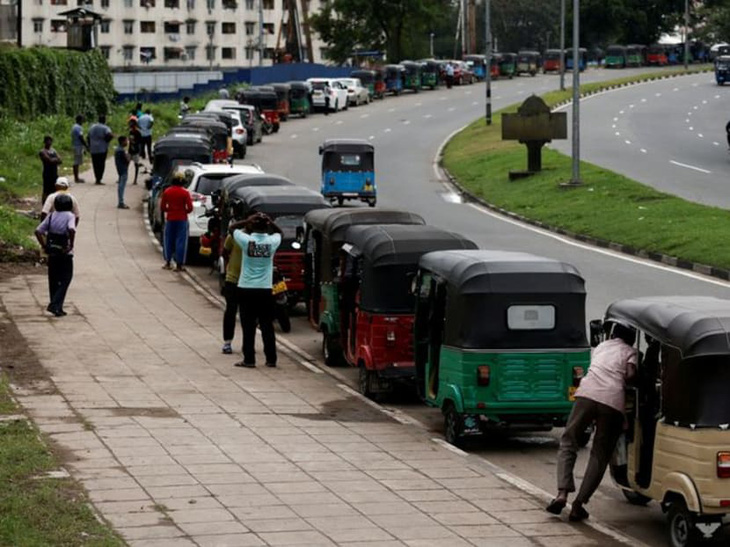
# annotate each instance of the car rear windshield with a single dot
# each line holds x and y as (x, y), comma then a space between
(319, 85)
(244, 114)
(207, 184)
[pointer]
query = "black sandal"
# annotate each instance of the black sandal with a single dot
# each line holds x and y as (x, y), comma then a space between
(578, 513)
(556, 506)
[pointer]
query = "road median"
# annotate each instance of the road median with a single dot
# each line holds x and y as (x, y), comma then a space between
(609, 210)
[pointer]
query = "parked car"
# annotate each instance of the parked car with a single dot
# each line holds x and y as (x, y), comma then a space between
(357, 94)
(247, 115)
(337, 94)
(463, 74)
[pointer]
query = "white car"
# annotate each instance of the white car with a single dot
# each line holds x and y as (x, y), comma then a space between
(239, 135)
(337, 93)
(356, 93)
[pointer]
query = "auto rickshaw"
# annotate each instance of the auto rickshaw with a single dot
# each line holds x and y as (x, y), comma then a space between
(299, 99)
(551, 61)
(635, 55)
(722, 69)
(412, 76)
(367, 78)
(348, 171)
(582, 59)
(657, 55)
(323, 237)
(394, 78)
(220, 135)
(379, 84)
(478, 64)
(282, 100)
(377, 267)
(494, 65)
(676, 450)
(615, 57)
(287, 205)
(431, 74)
(269, 106)
(500, 340)
(179, 149)
(507, 64)
(528, 62)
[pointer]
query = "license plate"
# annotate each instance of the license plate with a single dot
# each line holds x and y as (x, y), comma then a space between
(280, 287)
(571, 393)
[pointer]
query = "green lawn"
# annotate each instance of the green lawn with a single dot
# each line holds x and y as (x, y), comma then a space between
(37, 511)
(608, 206)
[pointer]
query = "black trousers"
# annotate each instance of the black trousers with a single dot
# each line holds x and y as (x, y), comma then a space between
(257, 308)
(230, 293)
(60, 273)
(98, 161)
(146, 145)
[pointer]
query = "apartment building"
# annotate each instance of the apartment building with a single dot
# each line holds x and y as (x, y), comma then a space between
(173, 34)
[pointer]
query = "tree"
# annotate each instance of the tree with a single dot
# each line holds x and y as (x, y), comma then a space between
(712, 18)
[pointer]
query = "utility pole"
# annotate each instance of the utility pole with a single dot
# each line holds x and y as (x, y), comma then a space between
(575, 180)
(471, 16)
(686, 34)
(19, 23)
(261, 32)
(562, 45)
(488, 58)
(431, 43)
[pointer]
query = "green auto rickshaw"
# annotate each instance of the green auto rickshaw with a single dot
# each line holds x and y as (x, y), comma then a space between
(299, 102)
(431, 74)
(508, 65)
(500, 340)
(412, 75)
(323, 237)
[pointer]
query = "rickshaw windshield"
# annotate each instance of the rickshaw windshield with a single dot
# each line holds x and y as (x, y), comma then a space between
(723, 66)
(552, 55)
(349, 161)
(695, 391)
(291, 225)
(387, 289)
(613, 51)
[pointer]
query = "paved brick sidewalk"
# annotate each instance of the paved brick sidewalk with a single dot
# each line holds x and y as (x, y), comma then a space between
(177, 447)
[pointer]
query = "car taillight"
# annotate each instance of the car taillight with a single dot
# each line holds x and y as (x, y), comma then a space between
(723, 465)
(239, 131)
(483, 374)
(390, 338)
(578, 374)
(202, 198)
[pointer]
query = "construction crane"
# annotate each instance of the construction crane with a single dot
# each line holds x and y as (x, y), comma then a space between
(298, 39)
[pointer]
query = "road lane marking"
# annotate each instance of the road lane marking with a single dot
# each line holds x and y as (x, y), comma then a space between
(615, 119)
(442, 98)
(371, 137)
(419, 104)
(315, 129)
(613, 126)
(620, 111)
(695, 108)
(387, 130)
(451, 109)
(717, 96)
(643, 100)
(687, 166)
(657, 94)
(643, 150)
(627, 141)
(675, 89)
(427, 116)
(391, 110)
(631, 106)
(339, 122)
(363, 116)
(474, 103)
(704, 102)
(716, 143)
(618, 134)
(294, 136)
(700, 135)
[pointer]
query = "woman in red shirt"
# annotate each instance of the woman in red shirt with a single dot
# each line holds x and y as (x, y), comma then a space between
(177, 204)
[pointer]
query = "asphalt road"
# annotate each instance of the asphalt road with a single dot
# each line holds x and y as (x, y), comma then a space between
(407, 132)
(669, 134)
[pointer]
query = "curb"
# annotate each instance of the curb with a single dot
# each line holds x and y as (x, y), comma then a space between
(673, 261)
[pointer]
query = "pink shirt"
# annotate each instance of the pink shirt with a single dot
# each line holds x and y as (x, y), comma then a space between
(612, 363)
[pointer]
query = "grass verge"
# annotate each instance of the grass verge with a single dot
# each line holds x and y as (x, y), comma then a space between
(608, 206)
(37, 511)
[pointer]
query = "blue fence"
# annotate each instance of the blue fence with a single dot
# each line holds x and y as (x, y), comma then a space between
(252, 76)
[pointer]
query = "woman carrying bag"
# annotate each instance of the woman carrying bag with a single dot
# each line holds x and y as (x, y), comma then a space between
(56, 236)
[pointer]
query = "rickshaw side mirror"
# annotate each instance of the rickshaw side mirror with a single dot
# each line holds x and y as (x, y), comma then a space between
(597, 332)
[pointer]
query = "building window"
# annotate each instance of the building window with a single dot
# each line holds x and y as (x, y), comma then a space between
(228, 28)
(230, 4)
(128, 53)
(269, 53)
(38, 2)
(228, 53)
(211, 5)
(82, 3)
(173, 53)
(128, 26)
(249, 53)
(250, 4)
(190, 53)
(147, 26)
(210, 28)
(268, 4)
(105, 3)
(250, 28)
(147, 54)
(190, 27)
(105, 51)
(268, 28)
(210, 53)
(172, 28)
(105, 26)
(128, 4)
(59, 2)
(58, 25)
(147, 4)
(174, 4)
(191, 4)
(38, 25)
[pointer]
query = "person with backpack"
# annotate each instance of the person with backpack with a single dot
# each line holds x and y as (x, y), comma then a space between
(56, 235)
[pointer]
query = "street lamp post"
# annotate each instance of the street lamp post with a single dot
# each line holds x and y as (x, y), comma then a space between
(575, 180)
(488, 59)
(431, 41)
(562, 45)
(686, 34)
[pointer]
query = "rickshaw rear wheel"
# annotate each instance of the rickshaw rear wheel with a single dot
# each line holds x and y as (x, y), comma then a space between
(634, 498)
(331, 350)
(453, 424)
(681, 525)
(364, 380)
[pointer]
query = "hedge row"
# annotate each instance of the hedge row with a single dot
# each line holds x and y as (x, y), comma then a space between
(39, 81)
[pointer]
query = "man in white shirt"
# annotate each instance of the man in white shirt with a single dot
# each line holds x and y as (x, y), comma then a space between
(61, 188)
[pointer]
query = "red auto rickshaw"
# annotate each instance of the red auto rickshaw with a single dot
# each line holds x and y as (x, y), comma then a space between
(551, 61)
(282, 100)
(376, 312)
(264, 99)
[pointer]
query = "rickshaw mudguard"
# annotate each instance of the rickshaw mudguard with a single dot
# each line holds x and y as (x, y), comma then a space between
(681, 484)
(450, 392)
(329, 322)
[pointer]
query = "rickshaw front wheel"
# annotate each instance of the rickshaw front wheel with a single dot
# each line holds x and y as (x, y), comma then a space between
(453, 424)
(681, 526)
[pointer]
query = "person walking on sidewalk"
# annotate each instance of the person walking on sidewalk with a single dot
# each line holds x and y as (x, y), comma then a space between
(79, 144)
(599, 400)
(100, 135)
(50, 204)
(50, 160)
(145, 123)
(56, 236)
(234, 257)
(258, 242)
(135, 147)
(176, 205)
(121, 161)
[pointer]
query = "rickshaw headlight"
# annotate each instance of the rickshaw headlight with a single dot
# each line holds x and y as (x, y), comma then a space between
(723, 465)
(578, 374)
(483, 375)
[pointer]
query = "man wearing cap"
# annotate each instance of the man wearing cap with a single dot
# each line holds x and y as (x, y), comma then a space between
(61, 188)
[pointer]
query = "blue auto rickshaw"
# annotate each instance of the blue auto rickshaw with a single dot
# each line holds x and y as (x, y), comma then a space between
(348, 171)
(394, 78)
(478, 64)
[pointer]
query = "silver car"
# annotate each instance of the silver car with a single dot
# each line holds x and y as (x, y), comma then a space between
(357, 94)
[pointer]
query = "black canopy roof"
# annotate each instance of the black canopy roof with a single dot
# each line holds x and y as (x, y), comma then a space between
(206, 121)
(218, 115)
(695, 325)
(346, 145)
(296, 84)
(281, 200)
(334, 222)
(499, 272)
(169, 143)
(231, 184)
(394, 244)
(281, 87)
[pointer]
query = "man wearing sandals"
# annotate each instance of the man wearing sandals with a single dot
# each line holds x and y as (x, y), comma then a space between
(600, 400)
(176, 205)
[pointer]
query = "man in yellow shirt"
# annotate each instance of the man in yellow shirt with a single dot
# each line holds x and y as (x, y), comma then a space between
(233, 254)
